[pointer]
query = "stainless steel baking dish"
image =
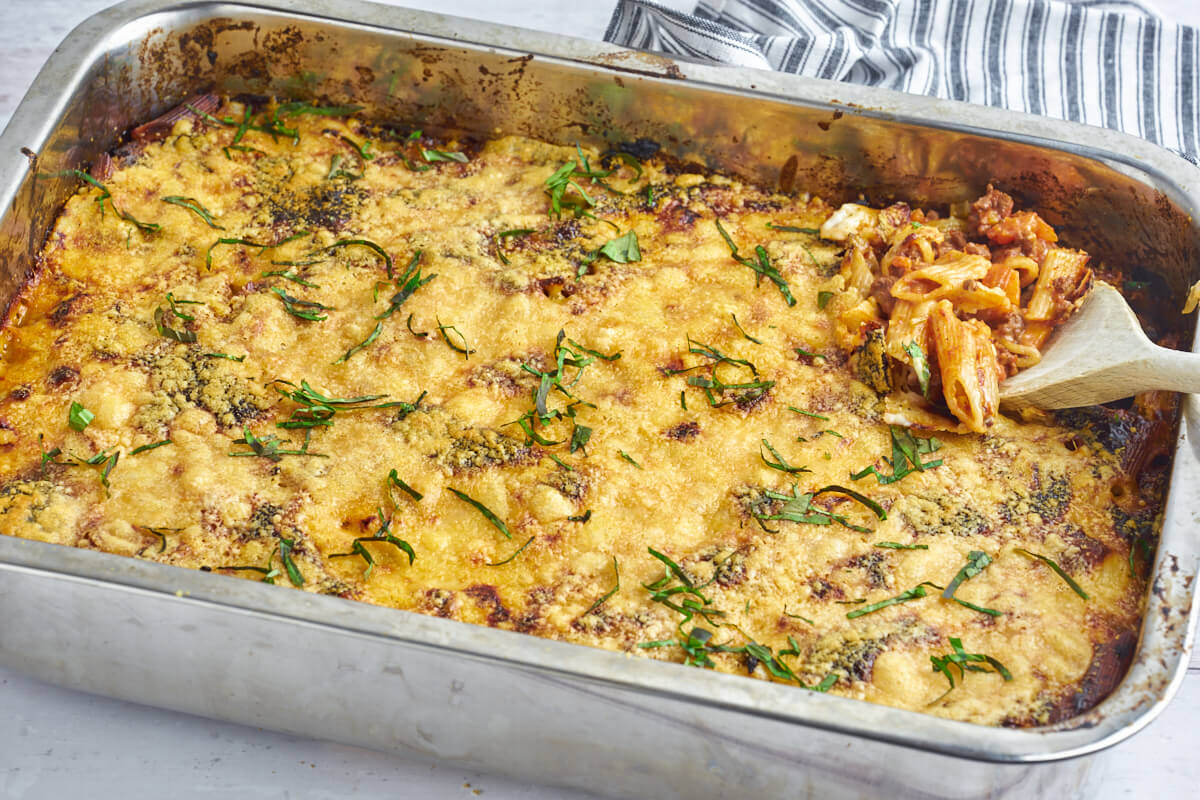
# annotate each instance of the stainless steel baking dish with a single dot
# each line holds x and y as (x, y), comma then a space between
(543, 710)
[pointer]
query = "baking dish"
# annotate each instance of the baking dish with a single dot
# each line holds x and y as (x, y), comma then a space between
(315, 666)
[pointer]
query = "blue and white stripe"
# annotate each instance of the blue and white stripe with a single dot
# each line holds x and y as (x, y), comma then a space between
(1102, 62)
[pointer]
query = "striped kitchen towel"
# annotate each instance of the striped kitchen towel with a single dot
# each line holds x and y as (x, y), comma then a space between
(1112, 64)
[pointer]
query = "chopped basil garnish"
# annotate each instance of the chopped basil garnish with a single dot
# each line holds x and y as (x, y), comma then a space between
(225, 356)
(920, 365)
(914, 593)
(79, 417)
(285, 555)
(823, 299)
(287, 274)
(296, 307)
(1075, 587)
(443, 155)
(363, 150)
(105, 194)
(268, 447)
(762, 266)
(185, 336)
(337, 169)
(616, 588)
(629, 458)
(465, 348)
(559, 184)
(502, 235)
(583, 518)
(977, 560)
(174, 303)
(907, 450)
(779, 463)
(406, 285)
(623, 249)
(964, 661)
(898, 546)
(808, 413)
(797, 616)
(394, 480)
(358, 546)
(712, 385)
(791, 229)
(208, 256)
(595, 353)
(161, 533)
(146, 447)
(482, 509)
(516, 553)
(418, 334)
(193, 205)
(580, 436)
(797, 507)
(363, 344)
(742, 331)
(800, 351)
(243, 149)
(387, 260)
(317, 409)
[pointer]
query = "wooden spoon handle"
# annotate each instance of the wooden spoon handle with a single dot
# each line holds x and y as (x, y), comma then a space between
(1174, 371)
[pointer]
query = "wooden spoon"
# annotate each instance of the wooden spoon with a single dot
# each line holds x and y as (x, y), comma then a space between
(1100, 354)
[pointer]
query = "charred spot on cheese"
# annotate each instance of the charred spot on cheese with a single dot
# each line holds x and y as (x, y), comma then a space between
(62, 376)
(63, 311)
(487, 598)
(1082, 553)
(683, 432)
(438, 602)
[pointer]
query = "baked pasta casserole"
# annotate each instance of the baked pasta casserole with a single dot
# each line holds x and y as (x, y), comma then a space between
(610, 398)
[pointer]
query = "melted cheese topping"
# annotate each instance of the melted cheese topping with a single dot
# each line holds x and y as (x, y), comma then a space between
(692, 482)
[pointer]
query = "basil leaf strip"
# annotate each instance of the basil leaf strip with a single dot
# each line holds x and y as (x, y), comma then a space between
(609, 593)
(482, 509)
(920, 365)
(1075, 587)
(516, 553)
(914, 593)
(146, 447)
(762, 266)
(363, 344)
(193, 205)
(105, 194)
(79, 417)
(387, 260)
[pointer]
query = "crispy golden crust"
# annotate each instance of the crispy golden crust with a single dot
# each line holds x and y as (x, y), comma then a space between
(693, 482)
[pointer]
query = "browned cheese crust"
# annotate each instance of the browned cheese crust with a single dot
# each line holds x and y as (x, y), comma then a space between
(460, 362)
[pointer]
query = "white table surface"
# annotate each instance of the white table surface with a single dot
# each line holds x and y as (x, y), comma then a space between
(57, 743)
